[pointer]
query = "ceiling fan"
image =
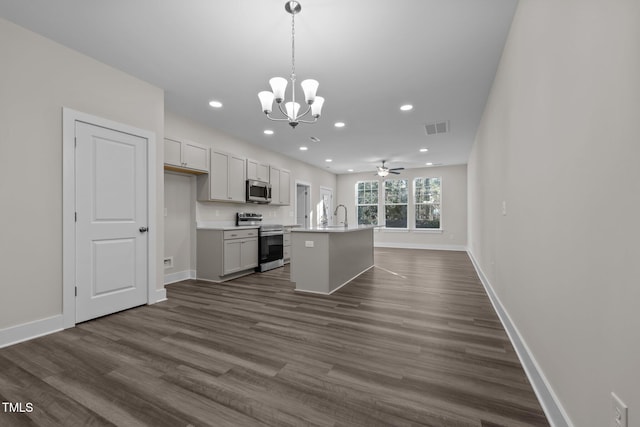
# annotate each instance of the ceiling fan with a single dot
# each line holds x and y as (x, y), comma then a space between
(384, 171)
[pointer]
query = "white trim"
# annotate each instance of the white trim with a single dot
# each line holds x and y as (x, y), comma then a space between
(159, 296)
(549, 401)
(69, 118)
(179, 276)
(26, 331)
(419, 246)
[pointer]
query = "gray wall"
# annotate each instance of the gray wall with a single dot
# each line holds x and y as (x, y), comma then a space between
(559, 144)
(37, 78)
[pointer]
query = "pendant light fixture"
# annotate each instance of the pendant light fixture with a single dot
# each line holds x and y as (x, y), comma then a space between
(291, 110)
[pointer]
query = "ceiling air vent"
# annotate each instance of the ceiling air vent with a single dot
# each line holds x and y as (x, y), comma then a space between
(437, 127)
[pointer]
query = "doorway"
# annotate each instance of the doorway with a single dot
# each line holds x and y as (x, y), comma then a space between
(303, 204)
(108, 217)
(325, 207)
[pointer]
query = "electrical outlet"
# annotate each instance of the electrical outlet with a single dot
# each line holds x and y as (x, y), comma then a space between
(168, 262)
(504, 207)
(619, 412)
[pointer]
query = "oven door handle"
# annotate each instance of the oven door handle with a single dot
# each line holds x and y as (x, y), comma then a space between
(270, 233)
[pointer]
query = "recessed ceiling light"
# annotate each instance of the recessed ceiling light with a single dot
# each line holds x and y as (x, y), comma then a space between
(215, 104)
(329, 160)
(349, 170)
(406, 107)
(429, 164)
(424, 150)
(268, 132)
(303, 148)
(339, 124)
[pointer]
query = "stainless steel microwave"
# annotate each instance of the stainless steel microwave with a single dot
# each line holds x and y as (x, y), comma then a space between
(258, 191)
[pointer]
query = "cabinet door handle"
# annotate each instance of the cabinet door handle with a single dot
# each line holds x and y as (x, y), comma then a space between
(143, 229)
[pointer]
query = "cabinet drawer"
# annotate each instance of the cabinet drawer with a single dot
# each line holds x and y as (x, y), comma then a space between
(286, 241)
(286, 252)
(240, 234)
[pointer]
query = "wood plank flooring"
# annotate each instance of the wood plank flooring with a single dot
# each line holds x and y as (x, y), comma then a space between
(413, 341)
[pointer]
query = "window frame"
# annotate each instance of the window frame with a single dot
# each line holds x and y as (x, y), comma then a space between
(406, 204)
(376, 205)
(416, 205)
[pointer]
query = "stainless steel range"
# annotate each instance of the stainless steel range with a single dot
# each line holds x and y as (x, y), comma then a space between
(271, 241)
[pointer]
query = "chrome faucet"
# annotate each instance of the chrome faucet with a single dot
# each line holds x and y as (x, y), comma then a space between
(345, 213)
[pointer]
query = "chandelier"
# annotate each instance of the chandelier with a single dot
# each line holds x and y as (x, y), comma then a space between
(291, 110)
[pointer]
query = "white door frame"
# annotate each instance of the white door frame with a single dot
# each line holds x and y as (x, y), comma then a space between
(69, 118)
(308, 204)
(330, 213)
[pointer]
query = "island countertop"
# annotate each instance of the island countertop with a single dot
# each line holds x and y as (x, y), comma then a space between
(323, 259)
(332, 229)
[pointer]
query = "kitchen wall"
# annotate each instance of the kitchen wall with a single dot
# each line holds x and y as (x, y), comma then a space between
(37, 78)
(454, 209)
(558, 145)
(181, 128)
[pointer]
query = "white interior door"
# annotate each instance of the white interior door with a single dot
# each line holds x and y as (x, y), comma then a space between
(111, 225)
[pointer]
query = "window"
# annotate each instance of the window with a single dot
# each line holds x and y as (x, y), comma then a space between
(395, 203)
(427, 194)
(367, 202)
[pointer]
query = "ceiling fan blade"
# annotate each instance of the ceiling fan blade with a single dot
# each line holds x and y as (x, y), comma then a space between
(396, 169)
(394, 172)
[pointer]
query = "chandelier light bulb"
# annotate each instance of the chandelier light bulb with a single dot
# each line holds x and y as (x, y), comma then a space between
(278, 86)
(309, 87)
(266, 99)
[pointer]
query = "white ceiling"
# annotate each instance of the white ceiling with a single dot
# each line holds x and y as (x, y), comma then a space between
(370, 57)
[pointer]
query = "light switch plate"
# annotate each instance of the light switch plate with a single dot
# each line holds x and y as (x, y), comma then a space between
(308, 243)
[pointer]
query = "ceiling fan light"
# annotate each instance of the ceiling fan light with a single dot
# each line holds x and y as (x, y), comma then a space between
(310, 87)
(383, 172)
(266, 99)
(316, 107)
(278, 86)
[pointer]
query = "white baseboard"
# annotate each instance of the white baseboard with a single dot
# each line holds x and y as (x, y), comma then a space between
(549, 401)
(179, 276)
(161, 295)
(419, 246)
(26, 331)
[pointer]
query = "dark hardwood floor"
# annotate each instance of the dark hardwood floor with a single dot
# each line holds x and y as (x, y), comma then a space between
(413, 341)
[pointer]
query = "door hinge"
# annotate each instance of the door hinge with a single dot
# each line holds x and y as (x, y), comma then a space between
(75, 141)
(76, 291)
(76, 216)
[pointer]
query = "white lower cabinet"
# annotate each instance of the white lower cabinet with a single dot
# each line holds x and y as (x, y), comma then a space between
(226, 254)
(240, 255)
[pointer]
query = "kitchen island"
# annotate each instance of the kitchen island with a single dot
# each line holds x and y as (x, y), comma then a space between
(323, 259)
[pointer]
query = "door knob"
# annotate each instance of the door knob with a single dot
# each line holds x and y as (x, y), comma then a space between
(143, 229)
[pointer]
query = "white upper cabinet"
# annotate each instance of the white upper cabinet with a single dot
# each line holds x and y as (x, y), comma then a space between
(280, 180)
(186, 156)
(226, 181)
(258, 171)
